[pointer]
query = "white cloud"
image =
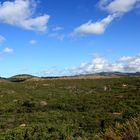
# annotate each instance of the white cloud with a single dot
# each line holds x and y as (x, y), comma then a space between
(126, 64)
(8, 50)
(21, 13)
(33, 42)
(115, 9)
(94, 27)
(118, 6)
(100, 64)
(2, 39)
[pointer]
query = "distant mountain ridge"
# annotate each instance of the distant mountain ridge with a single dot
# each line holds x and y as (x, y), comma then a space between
(109, 73)
(25, 77)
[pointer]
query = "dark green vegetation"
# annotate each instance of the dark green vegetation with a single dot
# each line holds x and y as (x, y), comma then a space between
(66, 109)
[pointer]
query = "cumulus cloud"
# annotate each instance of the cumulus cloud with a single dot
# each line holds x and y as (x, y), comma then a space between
(21, 13)
(8, 50)
(94, 27)
(118, 6)
(100, 64)
(125, 64)
(2, 39)
(115, 8)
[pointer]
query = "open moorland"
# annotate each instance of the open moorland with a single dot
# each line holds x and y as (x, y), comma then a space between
(70, 108)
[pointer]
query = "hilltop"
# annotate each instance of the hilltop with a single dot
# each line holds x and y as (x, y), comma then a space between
(102, 75)
(21, 77)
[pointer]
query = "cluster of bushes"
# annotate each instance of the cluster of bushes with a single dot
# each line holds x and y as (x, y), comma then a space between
(67, 109)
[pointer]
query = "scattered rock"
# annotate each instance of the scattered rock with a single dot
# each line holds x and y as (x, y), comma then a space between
(117, 113)
(120, 96)
(124, 85)
(23, 125)
(15, 100)
(43, 103)
(71, 87)
(45, 85)
(105, 88)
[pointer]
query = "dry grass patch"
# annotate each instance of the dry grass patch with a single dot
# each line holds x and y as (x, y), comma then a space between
(130, 130)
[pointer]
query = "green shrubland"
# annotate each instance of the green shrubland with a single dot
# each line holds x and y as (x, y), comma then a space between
(69, 109)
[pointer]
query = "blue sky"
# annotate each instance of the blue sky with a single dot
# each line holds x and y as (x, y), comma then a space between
(59, 37)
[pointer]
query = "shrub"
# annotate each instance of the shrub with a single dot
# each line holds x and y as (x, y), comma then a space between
(130, 130)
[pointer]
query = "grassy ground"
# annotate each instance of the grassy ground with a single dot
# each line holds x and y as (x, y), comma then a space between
(66, 109)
